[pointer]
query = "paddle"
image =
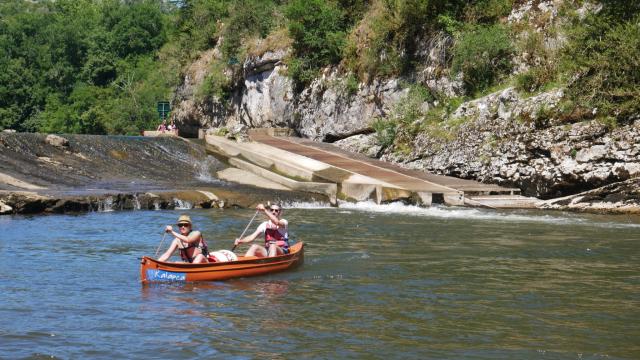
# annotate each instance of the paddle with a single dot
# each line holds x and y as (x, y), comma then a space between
(245, 229)
(161, 242)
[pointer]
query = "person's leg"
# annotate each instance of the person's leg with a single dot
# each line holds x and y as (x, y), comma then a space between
(199, 259)
(275, 250)
(256, 250)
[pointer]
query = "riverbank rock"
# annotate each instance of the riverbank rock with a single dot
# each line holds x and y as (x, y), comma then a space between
(191, 110)
(621, 197)
(334, 106)
(265, 99)
(24, 202)
(57, 141)
(5, 209)
(509, 140)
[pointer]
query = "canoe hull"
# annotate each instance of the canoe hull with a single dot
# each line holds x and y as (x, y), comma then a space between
(152, 270)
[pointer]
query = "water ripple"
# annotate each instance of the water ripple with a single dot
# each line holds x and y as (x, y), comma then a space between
(376, 283)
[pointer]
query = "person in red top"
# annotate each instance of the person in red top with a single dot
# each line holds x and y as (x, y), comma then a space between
(193, 248)
(275, 230)
(162, 127)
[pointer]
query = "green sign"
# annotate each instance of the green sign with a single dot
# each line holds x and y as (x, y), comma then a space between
(164, 107)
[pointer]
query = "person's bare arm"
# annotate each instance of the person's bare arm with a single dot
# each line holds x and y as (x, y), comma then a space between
(248, 238)
(193, 236)
(167, 254)
(274, 219)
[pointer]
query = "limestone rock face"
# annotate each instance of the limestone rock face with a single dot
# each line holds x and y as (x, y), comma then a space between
(362, 143)
(504, 139)
(334, 106)
(327, 110)
(621, 197)
(5, 209)
(267, 95)
(191, 114)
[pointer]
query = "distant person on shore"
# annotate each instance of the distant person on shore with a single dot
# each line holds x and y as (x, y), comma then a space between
(172, 127)
(162, 127)
(193, 248)
(275, 231)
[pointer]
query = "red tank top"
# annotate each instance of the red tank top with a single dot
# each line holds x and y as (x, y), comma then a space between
(273, 235)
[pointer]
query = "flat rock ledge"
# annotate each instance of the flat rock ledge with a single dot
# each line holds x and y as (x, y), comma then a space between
(33, 203)
(618, 198)
(24, 202)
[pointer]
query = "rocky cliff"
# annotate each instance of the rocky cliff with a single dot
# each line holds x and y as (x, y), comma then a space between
(506, 137)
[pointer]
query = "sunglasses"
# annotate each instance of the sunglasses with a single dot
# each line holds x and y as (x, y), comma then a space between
(183, 225)
(275, 210)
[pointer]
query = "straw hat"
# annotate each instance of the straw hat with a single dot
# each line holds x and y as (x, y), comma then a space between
(184, 219)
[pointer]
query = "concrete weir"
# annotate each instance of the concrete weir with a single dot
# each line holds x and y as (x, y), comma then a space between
(304, 165)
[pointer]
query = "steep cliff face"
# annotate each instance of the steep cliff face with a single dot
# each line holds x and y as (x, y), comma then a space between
(330, 108)
(505, 137)
(191, 111)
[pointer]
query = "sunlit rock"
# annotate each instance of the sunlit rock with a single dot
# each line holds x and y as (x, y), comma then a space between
(56, 140)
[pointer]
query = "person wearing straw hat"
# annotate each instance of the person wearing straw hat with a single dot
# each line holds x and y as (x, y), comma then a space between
(275, 231)
(193, 248)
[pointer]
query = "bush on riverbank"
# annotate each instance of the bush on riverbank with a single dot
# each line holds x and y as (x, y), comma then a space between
(602, 62)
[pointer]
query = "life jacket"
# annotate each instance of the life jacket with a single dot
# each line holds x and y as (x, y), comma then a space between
(202, 245)
(272, 235)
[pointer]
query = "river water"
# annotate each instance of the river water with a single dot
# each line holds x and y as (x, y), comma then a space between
(389, 281)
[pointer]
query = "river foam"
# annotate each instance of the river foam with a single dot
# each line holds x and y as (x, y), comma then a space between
(558, 218)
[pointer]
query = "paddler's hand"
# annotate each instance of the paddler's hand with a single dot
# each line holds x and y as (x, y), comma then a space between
(261, 207)
(168, 229)
(236, 242)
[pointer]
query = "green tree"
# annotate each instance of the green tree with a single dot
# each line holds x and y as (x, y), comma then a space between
(136, 29)
(604, 52)
(483, 55)
(247, 17)
(317, 29)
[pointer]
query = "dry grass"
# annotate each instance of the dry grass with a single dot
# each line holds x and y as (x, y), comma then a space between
(278, 39)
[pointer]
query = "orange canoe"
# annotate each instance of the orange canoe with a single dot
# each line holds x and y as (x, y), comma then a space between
(152, 270)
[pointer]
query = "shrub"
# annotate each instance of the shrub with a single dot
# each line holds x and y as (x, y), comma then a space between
(246, 18)
(535, 79)
(602, 56)
(384, 42)
(197, 26)
(217, 83)
(409, 108)
(317, 29)
(488, 11)
(404, 121)
(541, 58)
(385, 131)
(277, 39)
(351, 84)
(483, 55)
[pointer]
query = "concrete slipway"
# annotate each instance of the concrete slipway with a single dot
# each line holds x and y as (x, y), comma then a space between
(304, 165)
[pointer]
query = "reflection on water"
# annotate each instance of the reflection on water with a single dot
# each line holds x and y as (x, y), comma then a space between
(387, 281)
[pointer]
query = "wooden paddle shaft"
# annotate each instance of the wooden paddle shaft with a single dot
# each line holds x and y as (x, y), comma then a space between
(245, 229)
